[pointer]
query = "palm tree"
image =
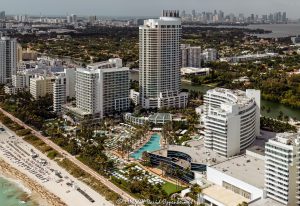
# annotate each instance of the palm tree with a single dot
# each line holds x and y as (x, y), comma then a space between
(168, 133)
(195, 191)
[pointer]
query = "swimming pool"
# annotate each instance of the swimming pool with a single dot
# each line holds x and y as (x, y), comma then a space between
(152, 145)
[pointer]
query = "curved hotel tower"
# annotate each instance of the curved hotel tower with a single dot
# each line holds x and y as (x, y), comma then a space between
(231, 120)
(160, 62)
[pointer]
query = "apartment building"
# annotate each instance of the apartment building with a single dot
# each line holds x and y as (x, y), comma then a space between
(40, 86)
(8, 59)
(63, 88)
(191, 56)
(102, 89)
(160, 62)
(282, 168)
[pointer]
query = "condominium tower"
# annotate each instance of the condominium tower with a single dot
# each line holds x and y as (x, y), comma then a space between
(191, 56)
(63, 88)
(102, 89)
(231, 120)
(160, 62)
(8, 59)
(282, 168)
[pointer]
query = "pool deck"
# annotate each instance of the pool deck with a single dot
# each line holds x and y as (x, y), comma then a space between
(147, 140)
(144, 142)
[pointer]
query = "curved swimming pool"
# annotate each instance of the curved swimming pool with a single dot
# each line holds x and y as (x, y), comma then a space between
(152, 145)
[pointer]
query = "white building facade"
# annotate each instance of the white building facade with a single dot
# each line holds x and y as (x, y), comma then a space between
(102, 89)
(63, 88)
(231, 120)
(160, 62)
(281, 169)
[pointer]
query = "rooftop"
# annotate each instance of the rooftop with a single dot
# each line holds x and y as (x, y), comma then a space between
(161, 116)
(245, 168)
(286, 138)
(198, 153)
(192, 70)
(77, 110)
(224, 196)
(111, 63)
(257, 149)
(266, 202)
(236, 96)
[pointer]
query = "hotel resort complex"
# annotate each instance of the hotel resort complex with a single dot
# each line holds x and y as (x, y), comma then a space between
(148, 137)
(159, 48)
(231, 120)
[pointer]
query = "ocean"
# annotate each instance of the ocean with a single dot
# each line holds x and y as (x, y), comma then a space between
(11, 194)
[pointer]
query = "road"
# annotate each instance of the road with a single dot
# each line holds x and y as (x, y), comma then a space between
(68, 156)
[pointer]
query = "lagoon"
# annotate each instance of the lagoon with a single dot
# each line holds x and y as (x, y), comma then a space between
(275, 107)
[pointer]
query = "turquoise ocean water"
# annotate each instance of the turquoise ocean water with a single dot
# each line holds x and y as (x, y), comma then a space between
(12, 195)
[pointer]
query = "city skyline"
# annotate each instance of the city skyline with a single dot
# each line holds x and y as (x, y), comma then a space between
(144, 8)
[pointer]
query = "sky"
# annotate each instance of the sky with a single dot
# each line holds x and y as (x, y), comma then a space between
(145, 7)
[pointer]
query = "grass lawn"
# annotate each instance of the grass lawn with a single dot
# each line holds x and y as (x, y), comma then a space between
(171, 188)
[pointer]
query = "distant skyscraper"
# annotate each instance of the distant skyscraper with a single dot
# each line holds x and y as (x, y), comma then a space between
(92, 19)
(221, 16)
(2, 15)
(183, 14)
(160, 62)
(8, 59)
(72, 19)
(193, 13)
(284, 18)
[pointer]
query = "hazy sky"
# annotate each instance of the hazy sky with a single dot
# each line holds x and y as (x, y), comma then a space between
(146, 7)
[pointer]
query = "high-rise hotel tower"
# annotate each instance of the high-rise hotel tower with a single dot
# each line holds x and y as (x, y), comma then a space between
(8, 59)
(160, 62)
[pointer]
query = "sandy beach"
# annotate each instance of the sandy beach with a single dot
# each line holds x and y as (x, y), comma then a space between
(35, 192)
(48, 182)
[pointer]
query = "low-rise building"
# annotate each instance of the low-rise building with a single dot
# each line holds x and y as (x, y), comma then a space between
(192, 71)
(157, 118)
(243, 175)
(191, 161)
(41, 86)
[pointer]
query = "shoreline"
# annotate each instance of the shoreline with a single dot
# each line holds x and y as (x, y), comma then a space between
(36, 193)
(52, 184)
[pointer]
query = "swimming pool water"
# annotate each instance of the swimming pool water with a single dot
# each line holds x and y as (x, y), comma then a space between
(152, 145)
